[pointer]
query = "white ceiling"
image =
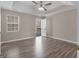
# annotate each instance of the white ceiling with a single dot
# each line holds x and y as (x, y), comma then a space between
(31, 8)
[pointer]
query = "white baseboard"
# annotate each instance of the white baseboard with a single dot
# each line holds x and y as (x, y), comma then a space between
(16, 40)
(63, 39)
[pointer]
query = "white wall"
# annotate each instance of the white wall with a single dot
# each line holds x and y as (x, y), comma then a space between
(49, 29)
(63, 25)
(77, 23)
(76, 5)
(26, 26)
(38, 22)
(0, 31)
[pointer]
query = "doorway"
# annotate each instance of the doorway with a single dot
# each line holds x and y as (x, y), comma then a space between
(43, 27)
(40, 27)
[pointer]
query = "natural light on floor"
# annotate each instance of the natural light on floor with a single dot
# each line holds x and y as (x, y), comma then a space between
(39, 47)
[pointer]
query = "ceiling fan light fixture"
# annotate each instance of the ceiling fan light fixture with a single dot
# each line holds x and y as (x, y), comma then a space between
(41, 9)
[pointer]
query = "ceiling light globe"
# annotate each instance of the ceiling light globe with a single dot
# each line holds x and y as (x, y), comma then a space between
(41, 9)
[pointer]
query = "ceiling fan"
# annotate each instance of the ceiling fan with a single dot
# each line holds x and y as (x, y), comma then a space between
(42, 5)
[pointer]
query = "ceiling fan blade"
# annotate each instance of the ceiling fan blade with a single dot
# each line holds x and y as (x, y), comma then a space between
(48, 4)
(45, 9)
(34, 2)
(41, 3)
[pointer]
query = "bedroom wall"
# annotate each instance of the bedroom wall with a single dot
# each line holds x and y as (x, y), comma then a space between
(77, 7)
(26, 27)
(0, 31)
(64, 25)
(49, 26)
(38, 22)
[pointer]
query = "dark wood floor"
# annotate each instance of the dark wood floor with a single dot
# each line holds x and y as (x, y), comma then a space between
(40, 47)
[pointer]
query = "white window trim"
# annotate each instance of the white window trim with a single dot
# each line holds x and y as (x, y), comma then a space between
(8, 23)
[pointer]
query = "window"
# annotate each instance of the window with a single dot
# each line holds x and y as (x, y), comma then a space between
(43, 27)
(12, 23)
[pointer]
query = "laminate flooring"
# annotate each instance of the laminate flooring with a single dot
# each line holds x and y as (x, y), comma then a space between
(39, 47)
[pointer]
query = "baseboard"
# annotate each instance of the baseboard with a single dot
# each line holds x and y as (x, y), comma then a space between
(16, 40)
(63, 39)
